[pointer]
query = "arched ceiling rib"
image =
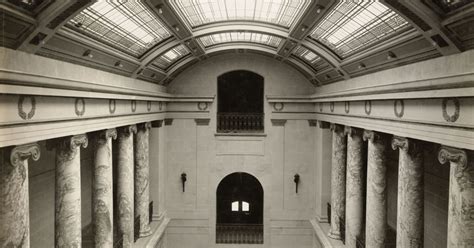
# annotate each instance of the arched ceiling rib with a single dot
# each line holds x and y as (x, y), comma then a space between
(327, 40)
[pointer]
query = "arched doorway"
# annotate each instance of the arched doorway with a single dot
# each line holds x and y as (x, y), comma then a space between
(240, 102)
(239, 210)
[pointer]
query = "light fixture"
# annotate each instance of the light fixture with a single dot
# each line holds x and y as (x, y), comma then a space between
(304, 28)
(176, 28)
(319, 9)
(140, 72)
(160, 8)
(286, 50)
(361, 66)
(119, 64)
(296, 179)
(327, 76)
(183, 180)
(88, 53)
(153, 75)
(391, 55)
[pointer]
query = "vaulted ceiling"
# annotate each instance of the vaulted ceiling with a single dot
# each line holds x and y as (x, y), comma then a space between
(155, 40)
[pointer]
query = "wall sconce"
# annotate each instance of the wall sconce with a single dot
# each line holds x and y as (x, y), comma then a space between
(183, 180)
(297, 181)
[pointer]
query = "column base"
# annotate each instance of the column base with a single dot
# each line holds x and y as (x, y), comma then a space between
(146, 232)
(334, 235)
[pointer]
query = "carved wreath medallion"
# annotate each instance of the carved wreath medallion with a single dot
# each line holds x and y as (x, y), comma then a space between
(133, 105)
(202, 106)
(399, 108)
(80, 106)
(368, 107)
(331, 106)
(21, 108)
(112, 106)
(454, 117)
(148, 106)
(347, 106)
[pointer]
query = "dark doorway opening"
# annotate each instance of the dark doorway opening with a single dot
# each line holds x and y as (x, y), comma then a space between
(240, 102)
(239, 210)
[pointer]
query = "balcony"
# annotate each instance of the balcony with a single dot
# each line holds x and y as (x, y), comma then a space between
(240, 122)
(239, 234)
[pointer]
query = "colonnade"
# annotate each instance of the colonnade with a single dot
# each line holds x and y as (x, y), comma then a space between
(352, 197)
(132, 187)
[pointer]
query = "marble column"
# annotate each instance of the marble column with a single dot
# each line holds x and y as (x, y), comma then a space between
(461, 197)
(68, 228)
(376, 204)
(142, 184)
(410, 209)
(355, 185)
(14, 198)
(102, 197)
(338, 179)
(125, 185)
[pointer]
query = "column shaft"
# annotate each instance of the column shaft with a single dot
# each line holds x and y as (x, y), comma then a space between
(338, 180)
(461, 197)
(355, 186)
(410, 200)
(376, 217)
(125, 185)
(102, 190)
(14, 198)
(142, 190)
(68, 192)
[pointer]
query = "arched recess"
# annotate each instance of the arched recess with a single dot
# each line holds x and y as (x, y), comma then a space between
(240, 96)
(239, 210)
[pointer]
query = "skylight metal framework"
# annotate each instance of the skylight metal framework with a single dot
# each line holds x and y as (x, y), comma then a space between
(306, 55)
(126, 25)
(165, 60)
(250, 37)
(354, 25)
(280, 12)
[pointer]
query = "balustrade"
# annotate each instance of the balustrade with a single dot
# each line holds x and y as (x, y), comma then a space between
(239, 122)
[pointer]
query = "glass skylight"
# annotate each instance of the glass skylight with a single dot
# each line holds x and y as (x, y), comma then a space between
(227, 37)
(280, 12)
(306, 54)
(125, 25)
(353, 25)
(171, 56)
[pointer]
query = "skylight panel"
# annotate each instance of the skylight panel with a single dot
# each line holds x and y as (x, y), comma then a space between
(354, 25)
(126, 25)
(280, 12)
(165, 60)
(251, 37)
(306, 55)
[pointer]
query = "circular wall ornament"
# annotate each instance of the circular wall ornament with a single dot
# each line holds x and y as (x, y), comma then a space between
(347, 106)
(399, 108)
(454, 116)
(202, 106)
(26, 114)
(160, 105)
(148, 106)
(278, 106)
(331, 106)
(112, 106)
(368, 107)
(321, 107)
(80, 106)
(133, 105)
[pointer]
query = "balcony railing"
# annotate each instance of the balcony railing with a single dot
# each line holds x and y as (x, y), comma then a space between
(239, 122)
(239, 234)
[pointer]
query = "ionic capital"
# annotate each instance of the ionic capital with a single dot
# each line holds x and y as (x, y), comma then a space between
(453, 155)
(127, 130)
(336, 128)
(108, 133)
(352, 131)
(406, 144)
(323, 124)
(23, 152)
(373, 136)
(144, 126)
